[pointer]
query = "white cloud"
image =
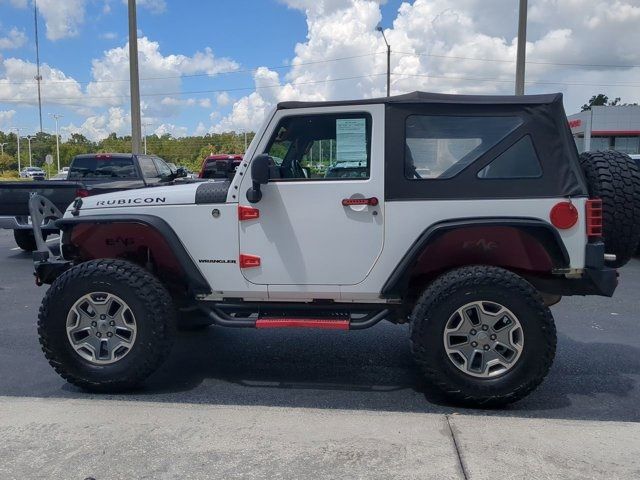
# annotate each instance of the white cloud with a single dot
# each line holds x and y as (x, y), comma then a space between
(62, 18)
(223, 99)
(14, 38)
(432, 41)
(171, 129)
(97, 127)
(204, 102)
(162, 73)
(17, 84)
(6, 117)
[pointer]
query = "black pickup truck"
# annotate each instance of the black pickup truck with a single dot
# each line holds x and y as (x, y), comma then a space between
(90, 174)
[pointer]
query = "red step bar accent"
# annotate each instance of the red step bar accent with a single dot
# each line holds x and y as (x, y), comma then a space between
(320, 323)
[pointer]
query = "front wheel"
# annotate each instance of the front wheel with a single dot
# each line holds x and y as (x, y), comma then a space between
(106, 325)
(483, 336)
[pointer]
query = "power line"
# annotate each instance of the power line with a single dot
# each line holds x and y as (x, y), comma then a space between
(195, 75)
(197, 92)
(529, 62)
(530, 82)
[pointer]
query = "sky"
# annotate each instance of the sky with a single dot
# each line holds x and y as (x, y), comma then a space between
(221, 65)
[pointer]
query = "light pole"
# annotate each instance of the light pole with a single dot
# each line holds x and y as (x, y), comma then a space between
(522, 47)
(144, 135)
(56, 116)
(379, 29)
(136, 127)
(29, 138)
(2, 148)
(18, 137)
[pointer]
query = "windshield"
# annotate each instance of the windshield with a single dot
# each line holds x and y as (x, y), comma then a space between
(102, 167)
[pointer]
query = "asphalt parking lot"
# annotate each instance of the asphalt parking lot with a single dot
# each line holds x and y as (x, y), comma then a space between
(367, 374)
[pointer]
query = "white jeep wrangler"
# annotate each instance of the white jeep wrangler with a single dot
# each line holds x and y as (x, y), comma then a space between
(465, 216)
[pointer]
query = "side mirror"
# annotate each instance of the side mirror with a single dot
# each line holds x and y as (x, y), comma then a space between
(260, 174)
(181, 172)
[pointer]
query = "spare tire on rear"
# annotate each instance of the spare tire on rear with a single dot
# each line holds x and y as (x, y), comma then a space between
(615, 178)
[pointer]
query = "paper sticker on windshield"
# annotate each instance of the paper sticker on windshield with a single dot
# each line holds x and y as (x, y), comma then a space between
(351, 140)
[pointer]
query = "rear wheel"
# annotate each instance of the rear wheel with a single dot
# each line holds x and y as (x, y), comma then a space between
(615, 178)
(106, 325)
(26, 240)
(483, 336)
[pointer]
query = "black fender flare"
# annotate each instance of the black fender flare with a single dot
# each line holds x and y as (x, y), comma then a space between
(195, 280)
(550, 239)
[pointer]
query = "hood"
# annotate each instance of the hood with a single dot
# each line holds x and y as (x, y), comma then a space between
(151, 196)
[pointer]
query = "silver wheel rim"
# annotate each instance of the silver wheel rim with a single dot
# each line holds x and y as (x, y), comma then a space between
(101, 328)
(483, 339)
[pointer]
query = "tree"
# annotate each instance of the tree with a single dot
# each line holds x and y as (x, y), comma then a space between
(600, 100)
(7, 162)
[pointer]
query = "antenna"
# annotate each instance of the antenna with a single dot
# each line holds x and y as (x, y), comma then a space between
(38, 76)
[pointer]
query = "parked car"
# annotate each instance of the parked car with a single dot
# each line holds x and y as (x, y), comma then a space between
(60, 176)
(88, 175)
(475, 215)
(35, 173)
(219, 166)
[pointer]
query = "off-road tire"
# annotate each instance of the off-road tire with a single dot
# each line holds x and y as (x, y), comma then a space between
(452, 291)
(615, 178)
(149, 301)
(26, 240)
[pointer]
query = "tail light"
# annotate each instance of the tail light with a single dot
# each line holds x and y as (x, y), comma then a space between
(82, 192)
(594, 218)
(564, 215)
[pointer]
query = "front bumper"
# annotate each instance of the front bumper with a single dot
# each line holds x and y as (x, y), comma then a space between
(46, 271)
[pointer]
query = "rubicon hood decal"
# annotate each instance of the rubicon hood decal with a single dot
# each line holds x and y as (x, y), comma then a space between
(132, 201)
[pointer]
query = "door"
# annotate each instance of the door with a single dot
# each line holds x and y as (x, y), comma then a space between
(322, 221)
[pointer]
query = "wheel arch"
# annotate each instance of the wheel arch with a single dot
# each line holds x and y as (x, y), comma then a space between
(536, 248)
(127, 236)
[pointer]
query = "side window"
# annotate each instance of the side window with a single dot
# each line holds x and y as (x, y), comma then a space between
(519, 161)
(440, 146)
(147, 167)
(315, 147)
(163, 169)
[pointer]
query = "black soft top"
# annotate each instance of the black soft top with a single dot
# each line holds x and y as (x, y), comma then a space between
(543, 119)
(435, 98)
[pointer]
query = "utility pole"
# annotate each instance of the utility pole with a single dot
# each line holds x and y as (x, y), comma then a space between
(136, 127)
(522, 47)
(56, 116)
(2, 148)
(38, 76)
(379, 29)
(29, 138)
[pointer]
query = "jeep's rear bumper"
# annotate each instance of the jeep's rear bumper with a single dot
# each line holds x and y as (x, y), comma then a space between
(597, 279)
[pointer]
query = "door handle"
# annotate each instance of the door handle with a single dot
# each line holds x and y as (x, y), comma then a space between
(347, 202)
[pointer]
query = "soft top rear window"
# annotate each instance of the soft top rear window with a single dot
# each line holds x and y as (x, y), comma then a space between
(102, 167)
(439, 146)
